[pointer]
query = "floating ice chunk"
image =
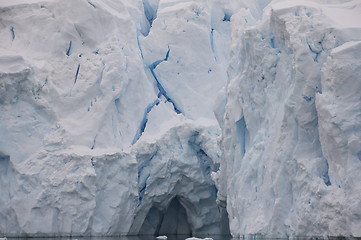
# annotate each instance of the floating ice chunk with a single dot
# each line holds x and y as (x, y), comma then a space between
(162, 237)
(195, 238)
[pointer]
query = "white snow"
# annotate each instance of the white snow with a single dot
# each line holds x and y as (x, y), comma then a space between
(109, 111)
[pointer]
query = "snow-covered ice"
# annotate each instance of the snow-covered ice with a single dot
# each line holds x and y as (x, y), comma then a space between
(180, 117)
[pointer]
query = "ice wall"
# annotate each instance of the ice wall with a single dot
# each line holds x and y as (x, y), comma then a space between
(107, 128)
(106, 116)
(290, 118)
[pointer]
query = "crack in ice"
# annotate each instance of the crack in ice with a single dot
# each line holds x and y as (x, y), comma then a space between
(162, 91)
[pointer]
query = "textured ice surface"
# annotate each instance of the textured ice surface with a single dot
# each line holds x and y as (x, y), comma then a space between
(290, 118)
(99, 128)
(106, 121)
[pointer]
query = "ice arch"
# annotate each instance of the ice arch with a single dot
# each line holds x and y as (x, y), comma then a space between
(176, 194)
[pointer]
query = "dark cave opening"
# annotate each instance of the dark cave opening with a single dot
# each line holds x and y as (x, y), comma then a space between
(171, 222)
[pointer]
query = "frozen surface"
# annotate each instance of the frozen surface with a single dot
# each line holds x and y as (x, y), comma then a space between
(290, 118)
(160, 116)
(100, 132)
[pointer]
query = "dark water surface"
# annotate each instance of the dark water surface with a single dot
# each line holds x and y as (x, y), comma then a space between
(182, 237)
(137, 237)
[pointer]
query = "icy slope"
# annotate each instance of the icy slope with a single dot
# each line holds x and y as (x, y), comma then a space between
(290, 118)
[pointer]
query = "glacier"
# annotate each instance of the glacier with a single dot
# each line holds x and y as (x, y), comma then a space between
(189, 117)
(96, 137)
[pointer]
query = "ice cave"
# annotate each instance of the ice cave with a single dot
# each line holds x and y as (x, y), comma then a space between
(171, 222)
(193, 118)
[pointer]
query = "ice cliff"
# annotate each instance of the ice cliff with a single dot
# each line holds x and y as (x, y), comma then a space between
(290, 117)
(109, 110)
(100, 133)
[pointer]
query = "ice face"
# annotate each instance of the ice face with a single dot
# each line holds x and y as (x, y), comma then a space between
(99, 125)
(290, 126)
(107, 125)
